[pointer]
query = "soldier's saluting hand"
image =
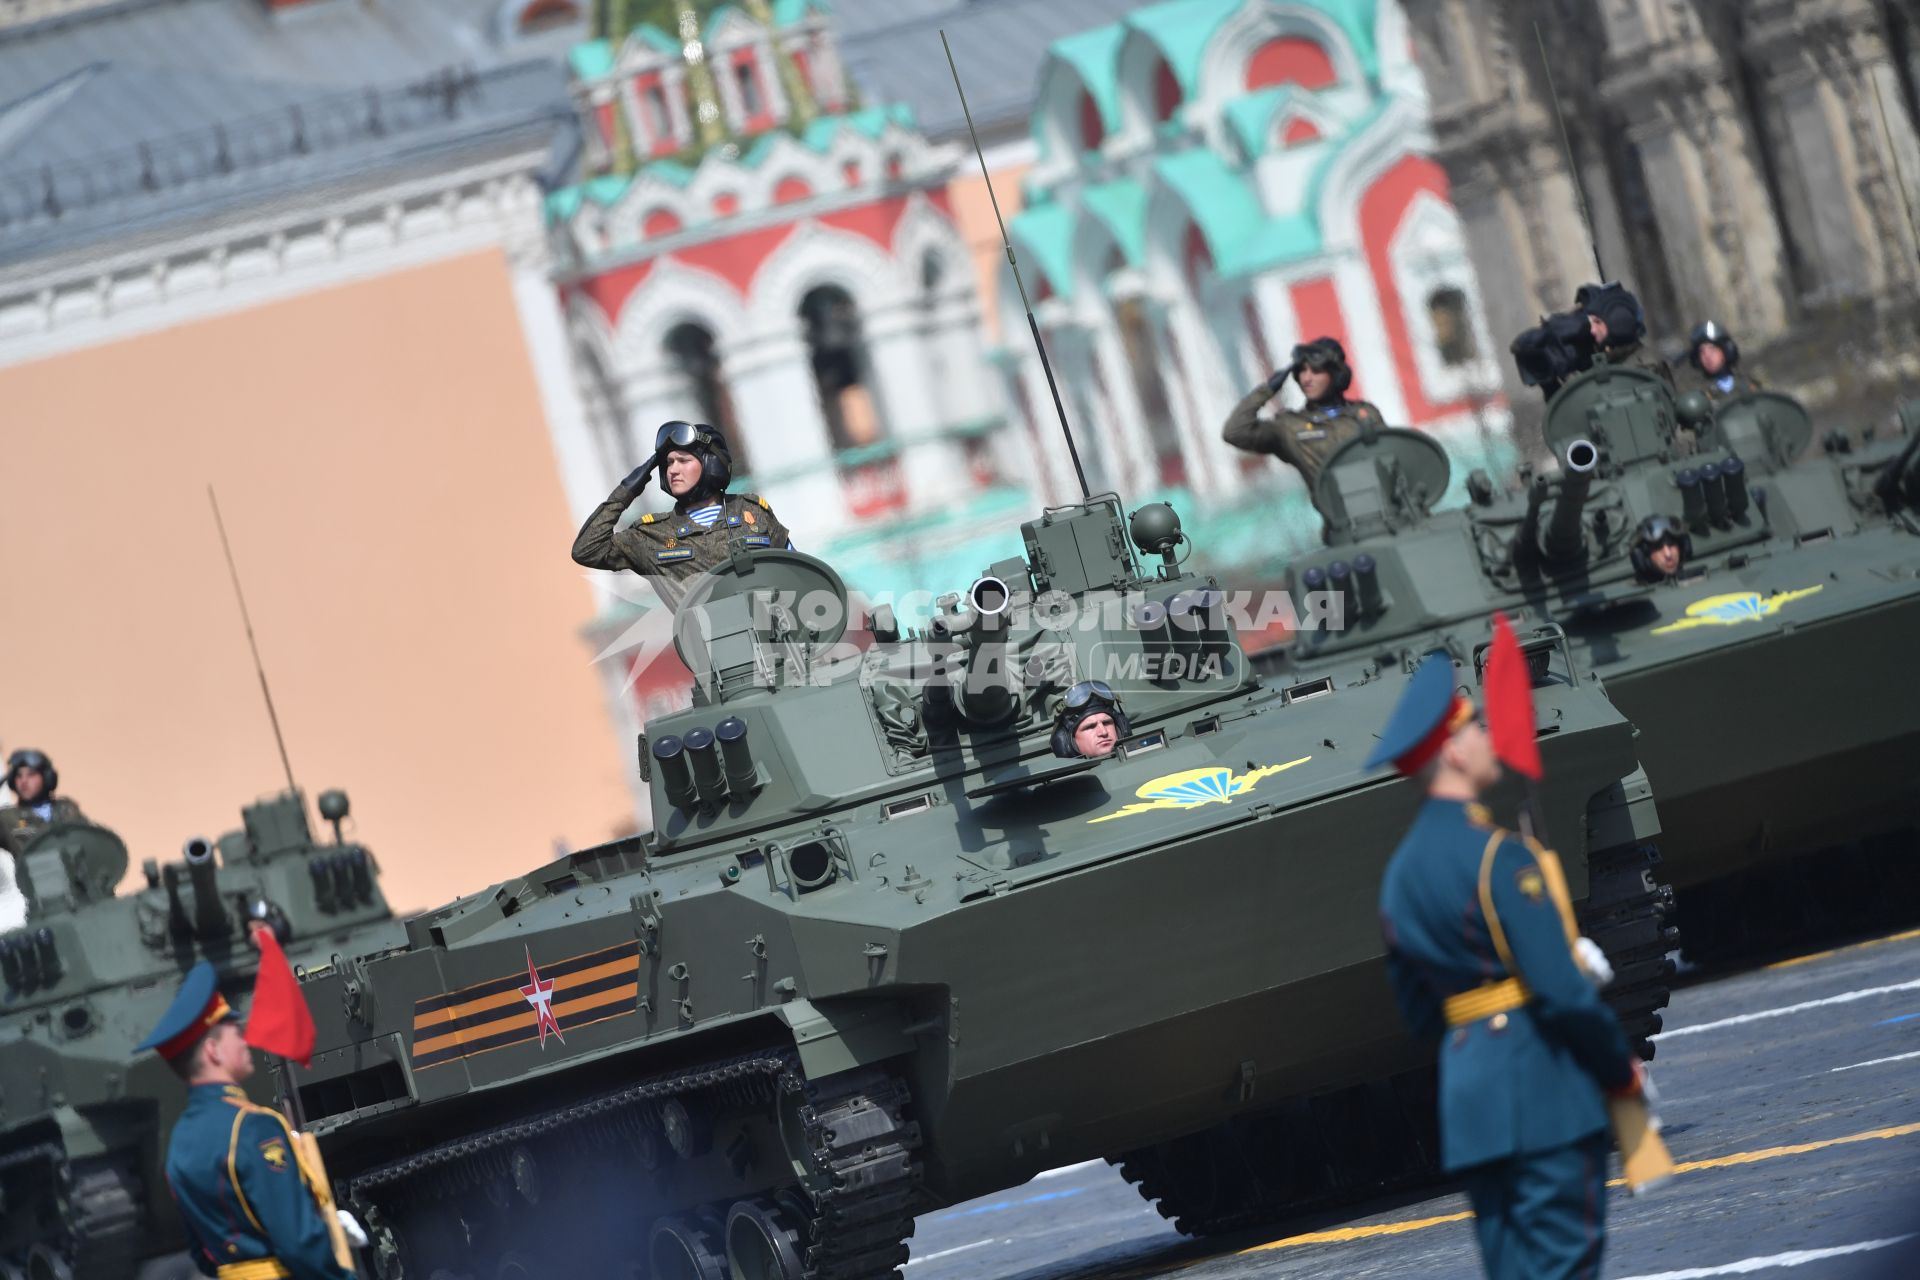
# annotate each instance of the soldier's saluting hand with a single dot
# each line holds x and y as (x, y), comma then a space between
(704, 528)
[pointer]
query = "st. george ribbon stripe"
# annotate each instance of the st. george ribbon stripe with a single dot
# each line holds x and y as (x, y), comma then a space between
(498, 986)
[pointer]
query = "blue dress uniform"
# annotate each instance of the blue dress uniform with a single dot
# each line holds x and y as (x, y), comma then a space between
(232, 1167)
(1478, 929)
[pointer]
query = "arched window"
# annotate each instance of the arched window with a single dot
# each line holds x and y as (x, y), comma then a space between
(1199, 258)
(840, 368)
(547, 15)
(1166, 92)
(690, 350)
(1290, 60)
(931, 271)
(1093, 131)
(1452, 325)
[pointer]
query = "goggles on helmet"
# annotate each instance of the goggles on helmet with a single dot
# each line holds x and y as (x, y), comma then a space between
(682, 435)
(1659, 529)
(1088, 691)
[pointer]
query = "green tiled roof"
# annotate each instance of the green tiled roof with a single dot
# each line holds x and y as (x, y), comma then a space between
(1047, 232)
(788, 12)
(1122, 207)
(1220, 201)
(603, 190)
(591, 59)
(1095, 57)
(647, 33)
(1181, 29)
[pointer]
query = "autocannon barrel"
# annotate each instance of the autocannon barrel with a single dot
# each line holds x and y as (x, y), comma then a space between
(1565, 537)
(209, 919)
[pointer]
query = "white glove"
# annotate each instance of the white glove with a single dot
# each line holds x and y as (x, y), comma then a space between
(1652, 1097)
(1593, 962)
(355, 1232)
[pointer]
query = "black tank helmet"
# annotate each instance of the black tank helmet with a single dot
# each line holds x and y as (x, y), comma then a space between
(28, 758)
(1650, 533)
(1621, 312)
(705, 443)
(1707, 331)
(1326, 355)
(1085, 699)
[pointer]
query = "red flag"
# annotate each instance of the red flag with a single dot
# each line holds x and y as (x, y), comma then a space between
(1510, 702)
(279, 1020)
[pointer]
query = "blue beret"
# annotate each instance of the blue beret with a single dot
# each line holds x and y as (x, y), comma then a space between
(193, 1013)
(1427, 713)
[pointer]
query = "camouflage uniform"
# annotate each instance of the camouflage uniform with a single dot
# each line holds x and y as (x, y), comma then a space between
(1724, 387)
(22, 823)
(1635, 355)
(1305, 439)
(671, 547)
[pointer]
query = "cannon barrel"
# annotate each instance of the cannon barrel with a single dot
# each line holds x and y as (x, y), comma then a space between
(988, 694)
(209, 920)
(1565, 537)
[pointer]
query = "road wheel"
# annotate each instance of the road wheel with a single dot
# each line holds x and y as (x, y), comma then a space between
(763, 1243)
(679, 1249)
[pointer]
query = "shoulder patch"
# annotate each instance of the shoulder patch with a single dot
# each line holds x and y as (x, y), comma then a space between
(274, 1152)
(1531, 883)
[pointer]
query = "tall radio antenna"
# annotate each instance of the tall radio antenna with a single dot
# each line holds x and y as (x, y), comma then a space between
(1006, 240)
(1566, 144)
(247, 621)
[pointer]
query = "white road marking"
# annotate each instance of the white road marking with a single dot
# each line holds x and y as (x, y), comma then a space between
(1845, 997)
(1067, 1168)
(948, 1253)
(1874, 1062)
(1746, 1266)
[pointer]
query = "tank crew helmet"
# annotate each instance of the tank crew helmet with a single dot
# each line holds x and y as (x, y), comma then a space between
(1707, 331)
(1089, 697)
(1431, 711)
(198, 1009)
(1649, 536)
(703, 442)
(28, 758)
(1325, 355)
(1615, 307)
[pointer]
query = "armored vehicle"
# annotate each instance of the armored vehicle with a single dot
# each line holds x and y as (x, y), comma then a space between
(1768, 678)
(83, 1119)
(886, 950)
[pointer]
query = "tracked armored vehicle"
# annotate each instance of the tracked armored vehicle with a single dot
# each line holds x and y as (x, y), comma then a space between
(1769, 680)
(885, 951)
(83, 1118)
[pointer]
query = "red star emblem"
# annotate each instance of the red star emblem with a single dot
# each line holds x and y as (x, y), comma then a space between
(539, 994)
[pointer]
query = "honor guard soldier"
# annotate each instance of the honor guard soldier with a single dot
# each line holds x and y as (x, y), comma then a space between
(1715, 357)
(32, 779)
(706, 526)
(232, 1165)
(1304, 438)
(1481, 950)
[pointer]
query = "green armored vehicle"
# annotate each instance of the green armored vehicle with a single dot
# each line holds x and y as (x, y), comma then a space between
(1769, 677)
(83, 1119)
(887, 950)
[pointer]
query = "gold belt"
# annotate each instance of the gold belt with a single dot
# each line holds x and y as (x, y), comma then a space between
(257, 1269)
(1484, 1001)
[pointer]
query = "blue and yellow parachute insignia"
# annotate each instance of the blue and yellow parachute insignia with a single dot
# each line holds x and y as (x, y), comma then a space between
(1191, 788)
(1732, 610)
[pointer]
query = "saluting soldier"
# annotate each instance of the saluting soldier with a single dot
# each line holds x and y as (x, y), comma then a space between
(1481, 949)
(1715, 357)
(1305, 438)
(704, 528)
(32, 779)
(249, 1212)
